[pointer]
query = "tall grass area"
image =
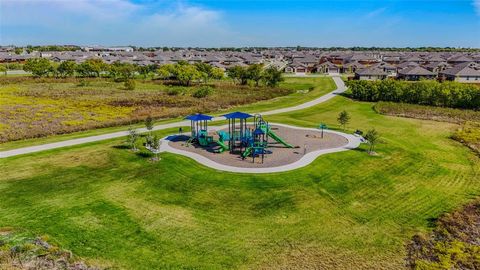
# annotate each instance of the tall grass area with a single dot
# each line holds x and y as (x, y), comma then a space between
(458, 116)
(34, 109)
(303, 90)
(346, 210)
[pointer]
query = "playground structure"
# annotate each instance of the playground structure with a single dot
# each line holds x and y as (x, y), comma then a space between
(241, 138)
(199, 129)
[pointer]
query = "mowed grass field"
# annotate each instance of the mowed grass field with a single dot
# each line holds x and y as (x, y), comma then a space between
(346, 210)
(301, 89)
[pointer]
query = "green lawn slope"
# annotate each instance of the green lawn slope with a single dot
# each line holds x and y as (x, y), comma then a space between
(346, 210)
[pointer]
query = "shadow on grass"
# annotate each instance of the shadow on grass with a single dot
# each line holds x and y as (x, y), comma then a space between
(144, 154)
(121, 146)
(432, 222)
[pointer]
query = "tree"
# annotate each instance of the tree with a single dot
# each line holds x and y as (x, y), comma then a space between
(132, 138)
(372, 137)
(343, 119)
(255, 73)
(186, 73)
(149, 123)
(18, 50)
(129, 84)
(126, 71)
(205, 70)
(272, 76)
(238, 74)
(166, 71)
(85, 69)
(145, 71)
(3, 69)
(155, 147)
(217, 73)
(39, 67)
(92, 68)
(67, 68)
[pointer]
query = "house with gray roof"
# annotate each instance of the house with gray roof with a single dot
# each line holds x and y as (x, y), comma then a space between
(465, 73)
(436, 67)
(415, 73)
(370, 74)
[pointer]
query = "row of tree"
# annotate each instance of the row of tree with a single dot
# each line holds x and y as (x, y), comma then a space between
(185, 73)
(41, 67)
(255, 73)
(182, 72)
(428, 92)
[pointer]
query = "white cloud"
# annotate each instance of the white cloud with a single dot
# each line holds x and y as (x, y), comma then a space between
(476, 5)
(111, 22)
(375, 13)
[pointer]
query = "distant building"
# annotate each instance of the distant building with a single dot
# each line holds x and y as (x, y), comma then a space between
(370, 74)
(415, 73)
(465, 73)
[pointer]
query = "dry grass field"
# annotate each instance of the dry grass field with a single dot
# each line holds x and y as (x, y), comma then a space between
(30, 108)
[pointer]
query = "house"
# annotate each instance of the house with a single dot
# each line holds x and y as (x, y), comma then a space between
(364, 59)
(297, 68)
(328, 67)
(370, 74)
(465, 73)
(388, 68)
(352, 67)
(458, 59)
(415, 73)
(436, 67)
(407, 65)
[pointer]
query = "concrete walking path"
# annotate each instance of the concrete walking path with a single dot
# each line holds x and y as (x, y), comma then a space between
(32, 149)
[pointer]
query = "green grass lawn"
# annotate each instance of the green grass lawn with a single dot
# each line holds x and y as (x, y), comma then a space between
(318, 86)
(346, 210)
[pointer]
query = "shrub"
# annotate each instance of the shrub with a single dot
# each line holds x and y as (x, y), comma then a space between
(202, 92)
(446, 94)
(129, 84)
(83, 83)
(174, 91)
(453, 244)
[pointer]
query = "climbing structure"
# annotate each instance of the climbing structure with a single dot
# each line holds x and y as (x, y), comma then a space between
(238, 133)
(199, 129)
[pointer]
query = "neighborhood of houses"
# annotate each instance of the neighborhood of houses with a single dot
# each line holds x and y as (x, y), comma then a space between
(365, 65)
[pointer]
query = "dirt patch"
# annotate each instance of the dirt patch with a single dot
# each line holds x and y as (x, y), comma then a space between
(304, 141)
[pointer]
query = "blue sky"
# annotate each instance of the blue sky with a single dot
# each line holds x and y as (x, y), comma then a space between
(214, 23)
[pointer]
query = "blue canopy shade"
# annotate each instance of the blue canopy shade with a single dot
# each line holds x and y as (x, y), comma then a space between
(199, 117)
(237, 115)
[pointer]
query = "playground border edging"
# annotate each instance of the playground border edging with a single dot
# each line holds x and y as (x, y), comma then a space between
(353, 142)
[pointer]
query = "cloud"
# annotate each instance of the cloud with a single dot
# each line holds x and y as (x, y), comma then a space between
(476, 5)
(375, 13)
(111, 22)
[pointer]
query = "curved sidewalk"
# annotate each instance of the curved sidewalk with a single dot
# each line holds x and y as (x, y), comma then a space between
(353, 142)
(32, 149)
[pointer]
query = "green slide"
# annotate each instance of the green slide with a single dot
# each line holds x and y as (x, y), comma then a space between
(247, 152)
(223, 147)
(278, 139)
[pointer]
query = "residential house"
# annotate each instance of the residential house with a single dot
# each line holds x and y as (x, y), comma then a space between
(415, 73)
(370, 74)
(465, 73)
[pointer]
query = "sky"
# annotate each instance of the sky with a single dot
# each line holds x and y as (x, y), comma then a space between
(239, 23)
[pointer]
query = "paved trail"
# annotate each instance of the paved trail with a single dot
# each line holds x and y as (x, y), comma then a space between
(31, 149)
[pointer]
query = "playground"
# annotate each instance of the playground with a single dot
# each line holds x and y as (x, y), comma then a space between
(248, 141)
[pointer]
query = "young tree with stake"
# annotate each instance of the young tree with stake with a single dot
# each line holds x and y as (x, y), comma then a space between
(132, 138)
(372, 137)
(343, 119)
